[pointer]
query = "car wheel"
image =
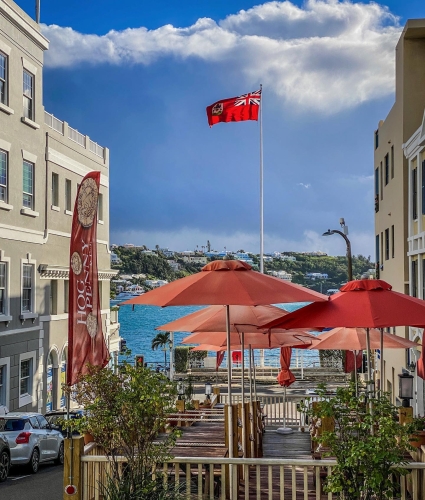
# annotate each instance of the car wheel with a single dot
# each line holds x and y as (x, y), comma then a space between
(34, 462)
(4, 465)
(59, 458)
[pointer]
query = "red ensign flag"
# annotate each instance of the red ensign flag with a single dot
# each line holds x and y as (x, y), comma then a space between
(86, 344)
(235, 109)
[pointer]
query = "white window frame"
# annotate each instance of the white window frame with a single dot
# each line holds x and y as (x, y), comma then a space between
(6, 78)
(32, 186)
(27, 398)
(6, 317)
(5, 364)
(28, 98)
(55, 191)
(5, 186)
(68, 196)
(29, 314)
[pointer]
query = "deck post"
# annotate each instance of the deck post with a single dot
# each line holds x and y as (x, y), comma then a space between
(78, 452)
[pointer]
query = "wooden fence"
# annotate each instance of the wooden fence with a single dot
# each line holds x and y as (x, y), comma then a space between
(260, 479)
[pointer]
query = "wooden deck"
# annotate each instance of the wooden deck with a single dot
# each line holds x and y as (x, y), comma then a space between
(295, 445)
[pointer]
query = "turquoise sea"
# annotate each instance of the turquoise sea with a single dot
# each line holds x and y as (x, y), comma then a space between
(138, 329)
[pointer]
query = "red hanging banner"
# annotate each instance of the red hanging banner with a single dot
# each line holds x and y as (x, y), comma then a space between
(86, 344)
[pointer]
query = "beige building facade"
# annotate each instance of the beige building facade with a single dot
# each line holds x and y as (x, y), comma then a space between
(397, 224)
(42, 162)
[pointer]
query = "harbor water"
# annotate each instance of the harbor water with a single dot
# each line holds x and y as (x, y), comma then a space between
(137, 327)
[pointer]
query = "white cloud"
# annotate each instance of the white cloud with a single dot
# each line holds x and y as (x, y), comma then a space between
(326, 56)
(306, 186)
(188, 239)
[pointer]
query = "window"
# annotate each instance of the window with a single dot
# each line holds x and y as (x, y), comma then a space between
(414, 279)
(387, 169)
(2, 287)
(381, 184)
(423, 187)
(3, 176)
(3, 78)
(376, 139)
(66, 295)
(53, 296)
(68, 201)
(100, 207)
(392, 242)
(55, 189)
(25, 387)
(100, 292)
(392, 162)
(28, 185)
(28, 91)
(3, 385)
(387, 244)
(377, 189)
(27, 287)
(415, 193)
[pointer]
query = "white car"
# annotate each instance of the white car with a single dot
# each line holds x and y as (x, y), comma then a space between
(31, 439)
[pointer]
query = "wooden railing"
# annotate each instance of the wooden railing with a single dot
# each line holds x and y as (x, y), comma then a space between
(275, 408)
(272, 479)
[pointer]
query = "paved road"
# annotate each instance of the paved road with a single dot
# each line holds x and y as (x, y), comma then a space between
(47, 484)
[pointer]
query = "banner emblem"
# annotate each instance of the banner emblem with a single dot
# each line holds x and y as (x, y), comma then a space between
(217, 109)
(87, 202)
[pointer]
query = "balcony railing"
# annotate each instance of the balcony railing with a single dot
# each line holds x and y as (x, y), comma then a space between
(53, 122)
(96, 149)
(76, 136)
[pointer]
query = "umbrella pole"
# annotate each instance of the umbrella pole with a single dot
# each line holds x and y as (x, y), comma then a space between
(229, 395)
(243, 367)
(250, 373)
(369, 376)
(244, 429)
(255, 381)
(381, 383)
(355, 373)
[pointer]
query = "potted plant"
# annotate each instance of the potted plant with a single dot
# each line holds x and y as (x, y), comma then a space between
(417, 428)
(368, 443)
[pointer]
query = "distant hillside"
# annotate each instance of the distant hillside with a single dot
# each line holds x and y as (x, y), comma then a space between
(155, 265)
(334, 267)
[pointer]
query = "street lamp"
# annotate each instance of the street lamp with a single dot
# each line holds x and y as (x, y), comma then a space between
(405, 389)
(208, 390)
(343, 233)
(180, 389)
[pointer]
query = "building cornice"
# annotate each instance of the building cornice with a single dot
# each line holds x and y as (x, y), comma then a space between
(61, 272)
(24, 25)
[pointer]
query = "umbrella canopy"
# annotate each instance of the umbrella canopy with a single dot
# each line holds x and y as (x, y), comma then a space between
(226, 282)
(285, 377)
(213, 319)
(257, 340)
(354, 339)
(360, 303)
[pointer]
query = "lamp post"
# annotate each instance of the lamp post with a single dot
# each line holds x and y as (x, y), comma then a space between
(344, 233)
(405, 381)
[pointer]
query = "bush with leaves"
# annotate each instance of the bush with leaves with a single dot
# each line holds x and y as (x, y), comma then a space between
(125, 412)
(368, 443)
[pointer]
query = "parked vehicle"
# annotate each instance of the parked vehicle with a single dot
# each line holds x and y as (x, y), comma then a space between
(4, 458)
(55, 418)
(31, 439)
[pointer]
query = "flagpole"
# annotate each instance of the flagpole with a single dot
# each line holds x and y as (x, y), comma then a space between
(261, 203)
(261, 186)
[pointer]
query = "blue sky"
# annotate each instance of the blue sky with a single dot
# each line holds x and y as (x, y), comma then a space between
(137, 76)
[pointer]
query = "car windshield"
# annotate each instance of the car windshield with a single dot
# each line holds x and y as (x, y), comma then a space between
(12, 424)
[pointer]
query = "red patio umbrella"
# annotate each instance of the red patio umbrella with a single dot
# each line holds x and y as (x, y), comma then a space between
(213, 319)
(354, 339)
(257, 340)
(285, 378)
(227, 282)
(360, 303)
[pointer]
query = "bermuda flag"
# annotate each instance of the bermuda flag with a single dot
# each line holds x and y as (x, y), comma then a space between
(86, 344)
(235, 109)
